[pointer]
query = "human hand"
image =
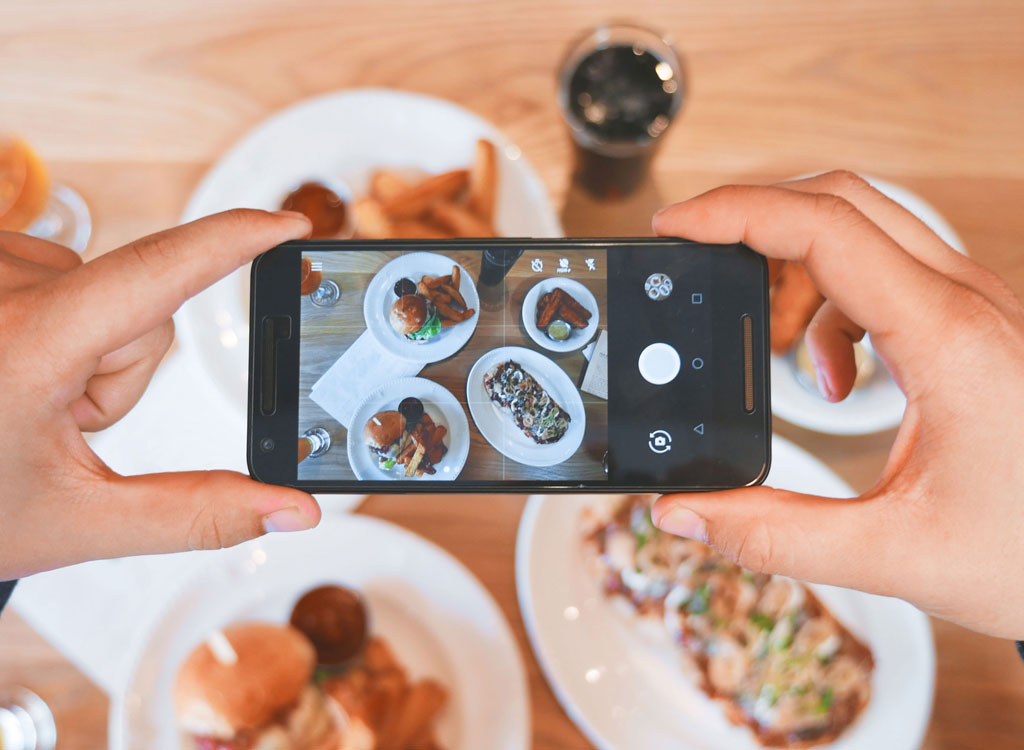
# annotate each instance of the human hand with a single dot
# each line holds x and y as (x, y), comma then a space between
(78, 345)
(942, 527)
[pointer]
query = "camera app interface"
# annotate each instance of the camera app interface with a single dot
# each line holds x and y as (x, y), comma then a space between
(484, 365)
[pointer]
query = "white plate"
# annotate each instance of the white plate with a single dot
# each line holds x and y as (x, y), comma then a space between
(340, 136)
(438, 402)
(380, 296)
(578, 338)
(439, 619)
(620, 679)
(880, 404)
(495, 423)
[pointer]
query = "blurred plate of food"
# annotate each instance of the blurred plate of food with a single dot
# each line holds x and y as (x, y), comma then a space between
(422, 307)
(391, 164)
(653, 641)
(525, 406)
(876, 402)
(560, 315)
(413, 428)
(402, 649)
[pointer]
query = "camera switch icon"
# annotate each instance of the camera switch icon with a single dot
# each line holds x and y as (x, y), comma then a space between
(660, 441)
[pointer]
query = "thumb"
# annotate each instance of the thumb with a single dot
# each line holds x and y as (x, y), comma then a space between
(197, 510)
(775, 531)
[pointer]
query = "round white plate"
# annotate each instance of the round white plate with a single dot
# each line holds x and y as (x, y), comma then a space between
(495, 423)
(878, 405)
(620, 679)
(578, 338)
(439, 619)
(380, 296)
(438, 402)
(344, 136)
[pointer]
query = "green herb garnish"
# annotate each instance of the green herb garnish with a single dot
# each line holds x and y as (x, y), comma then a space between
(389, 464)
(762, 620)
(697, 604)
(826, 701)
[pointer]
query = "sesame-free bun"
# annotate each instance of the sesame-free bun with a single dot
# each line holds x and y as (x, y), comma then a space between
(383, 428)
(213, 699)
(408, 314)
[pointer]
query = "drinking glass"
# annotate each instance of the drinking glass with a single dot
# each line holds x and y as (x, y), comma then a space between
(322, 292)
(26, 722)
(31, 203)
(314, 443)
(619, 88)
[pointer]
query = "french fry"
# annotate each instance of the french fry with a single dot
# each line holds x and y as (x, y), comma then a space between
(795, 299)
(436, 281)
(420, 706)
(414, 229)
(568, 301)
(454, 294)
(547, 313)
(385, 184)
(459, 220)
(483, 180)
(414, 462)
(416, 200)
(456, 277)
(371, 221)
(447, 323)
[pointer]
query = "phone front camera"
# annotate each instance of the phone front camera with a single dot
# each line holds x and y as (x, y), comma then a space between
(267, 445)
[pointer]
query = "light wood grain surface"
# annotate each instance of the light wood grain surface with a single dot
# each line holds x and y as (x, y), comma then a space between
(327, 332)
(130, 102)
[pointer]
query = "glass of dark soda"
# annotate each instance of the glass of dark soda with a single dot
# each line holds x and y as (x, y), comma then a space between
(619, 88)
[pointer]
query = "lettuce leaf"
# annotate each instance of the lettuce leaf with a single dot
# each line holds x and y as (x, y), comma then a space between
(430, 329)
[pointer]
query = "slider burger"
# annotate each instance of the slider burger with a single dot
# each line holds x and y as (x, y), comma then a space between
(383, 435)
(249, 687)
(415, 317)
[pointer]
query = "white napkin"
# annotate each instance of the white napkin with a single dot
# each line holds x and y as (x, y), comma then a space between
(97, 613)
(341, 389)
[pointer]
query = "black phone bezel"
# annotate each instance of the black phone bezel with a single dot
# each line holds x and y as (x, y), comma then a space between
(274, 293)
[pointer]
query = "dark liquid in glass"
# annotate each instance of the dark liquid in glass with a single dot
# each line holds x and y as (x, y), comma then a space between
(495, 264)
(619, 99)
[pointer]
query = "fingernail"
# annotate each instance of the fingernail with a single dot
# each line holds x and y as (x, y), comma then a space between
(291, 215)
(683, 522)
(823, 387)
(286, 519)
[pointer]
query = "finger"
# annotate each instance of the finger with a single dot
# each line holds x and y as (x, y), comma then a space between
(42, 252)
(851, 260)
(775, 531)
(194, 510)
(896, 221)
(830, 338)
(118, 297)
(120, 380)
(910, 232)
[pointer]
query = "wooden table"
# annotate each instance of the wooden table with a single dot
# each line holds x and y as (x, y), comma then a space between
(131, 102)
(328, 332)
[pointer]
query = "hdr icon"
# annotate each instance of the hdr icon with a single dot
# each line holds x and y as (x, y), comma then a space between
(659, 441)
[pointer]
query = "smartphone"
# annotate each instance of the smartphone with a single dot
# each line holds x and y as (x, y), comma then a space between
(509, 365)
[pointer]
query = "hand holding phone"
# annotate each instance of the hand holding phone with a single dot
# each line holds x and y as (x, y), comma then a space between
(942, 526)
(509, 365)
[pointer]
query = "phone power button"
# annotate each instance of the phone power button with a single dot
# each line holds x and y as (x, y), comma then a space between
(659, 364)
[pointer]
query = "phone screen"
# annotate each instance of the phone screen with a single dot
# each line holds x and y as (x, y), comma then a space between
(510, 365)
(472, 365)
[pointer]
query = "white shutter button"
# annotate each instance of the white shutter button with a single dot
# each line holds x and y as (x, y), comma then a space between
(659, 364)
